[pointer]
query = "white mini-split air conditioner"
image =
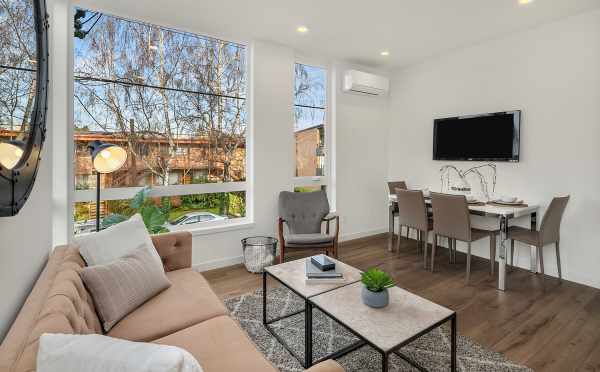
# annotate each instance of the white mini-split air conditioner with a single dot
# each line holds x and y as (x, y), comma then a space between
(365, 83)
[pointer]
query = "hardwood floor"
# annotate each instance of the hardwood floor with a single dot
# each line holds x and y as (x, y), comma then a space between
(556, 328)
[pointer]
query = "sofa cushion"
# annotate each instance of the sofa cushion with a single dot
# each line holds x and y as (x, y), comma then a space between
(120, 287)
(115, 242)
(98, 353)
(219, 344)
(309, 239)
(188, 301)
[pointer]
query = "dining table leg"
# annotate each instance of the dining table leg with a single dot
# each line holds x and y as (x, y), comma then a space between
(502, 253)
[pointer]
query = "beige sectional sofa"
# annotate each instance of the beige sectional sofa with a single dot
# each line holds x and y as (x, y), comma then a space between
(188, 314)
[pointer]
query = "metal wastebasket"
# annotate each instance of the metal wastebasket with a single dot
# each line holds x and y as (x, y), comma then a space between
(259, 252)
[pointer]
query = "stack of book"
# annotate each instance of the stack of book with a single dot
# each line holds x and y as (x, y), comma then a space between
(321, 270)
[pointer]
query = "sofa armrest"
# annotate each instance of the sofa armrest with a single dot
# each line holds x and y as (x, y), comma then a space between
(174, 249)
(326, 366)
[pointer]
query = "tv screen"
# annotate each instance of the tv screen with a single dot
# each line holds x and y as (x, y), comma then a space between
(486, 137)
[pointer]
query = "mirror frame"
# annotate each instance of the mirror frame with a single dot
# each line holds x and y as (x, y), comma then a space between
(16, 184)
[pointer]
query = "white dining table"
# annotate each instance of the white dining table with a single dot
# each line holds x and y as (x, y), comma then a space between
(502, 213)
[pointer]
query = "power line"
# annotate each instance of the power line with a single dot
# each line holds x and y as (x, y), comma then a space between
(131, 83)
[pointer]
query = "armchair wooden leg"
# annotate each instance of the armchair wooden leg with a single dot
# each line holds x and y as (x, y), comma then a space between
(557, 244)
(282, 253)
(540, 251)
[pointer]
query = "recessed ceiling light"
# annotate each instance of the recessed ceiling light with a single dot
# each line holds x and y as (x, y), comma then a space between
(385, 53)
(525, 2)
(302, 29)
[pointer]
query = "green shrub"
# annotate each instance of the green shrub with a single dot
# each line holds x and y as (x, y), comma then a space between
(153, 216)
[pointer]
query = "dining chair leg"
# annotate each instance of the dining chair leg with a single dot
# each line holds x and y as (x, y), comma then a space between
(419, 237)
(282, 254)
(492, 253)
(398, 241)
(433, 247)
(454, 251)
(540, 252)
(512, 254)
(425, 234)
(468, 262)
(557, 244)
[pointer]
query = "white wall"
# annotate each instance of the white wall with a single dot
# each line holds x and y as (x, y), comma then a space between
(26, 239)
(25, 243)
(360, 157)
(552, 73)
(361, 129)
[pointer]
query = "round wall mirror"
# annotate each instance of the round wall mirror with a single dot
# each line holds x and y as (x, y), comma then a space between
(23, 98)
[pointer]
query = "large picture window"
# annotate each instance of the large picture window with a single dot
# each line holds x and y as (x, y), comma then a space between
(176, 102)
(310, 114)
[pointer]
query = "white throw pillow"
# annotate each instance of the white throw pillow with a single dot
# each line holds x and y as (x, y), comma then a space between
(115, 242)
(98, 353)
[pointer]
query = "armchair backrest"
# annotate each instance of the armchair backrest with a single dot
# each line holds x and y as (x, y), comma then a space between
(303, 211)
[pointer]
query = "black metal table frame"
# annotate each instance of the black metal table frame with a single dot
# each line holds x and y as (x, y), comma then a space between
(308, 350)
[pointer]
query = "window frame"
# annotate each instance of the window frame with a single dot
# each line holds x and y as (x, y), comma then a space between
(120, 193)
(327, 180)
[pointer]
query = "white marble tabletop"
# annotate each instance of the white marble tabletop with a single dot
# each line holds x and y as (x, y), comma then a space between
(293, 274)
(494, 210)
(406, 316)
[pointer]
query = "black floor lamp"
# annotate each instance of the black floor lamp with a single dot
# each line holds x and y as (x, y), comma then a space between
(106, 158)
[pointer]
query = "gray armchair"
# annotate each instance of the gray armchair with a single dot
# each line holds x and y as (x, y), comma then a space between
(304, 213)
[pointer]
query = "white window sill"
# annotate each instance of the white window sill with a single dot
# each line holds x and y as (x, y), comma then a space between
(220, 228)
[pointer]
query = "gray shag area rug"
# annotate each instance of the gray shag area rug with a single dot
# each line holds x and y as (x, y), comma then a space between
(431, 351)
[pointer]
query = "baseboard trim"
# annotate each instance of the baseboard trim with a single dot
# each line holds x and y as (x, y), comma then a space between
(236, 260)
(362, 234)
(217, 264)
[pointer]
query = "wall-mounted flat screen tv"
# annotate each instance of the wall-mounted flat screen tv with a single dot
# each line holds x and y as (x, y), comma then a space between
(484, 137)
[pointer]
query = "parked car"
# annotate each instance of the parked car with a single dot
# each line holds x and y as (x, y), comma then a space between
(194, 217)
(85, 227)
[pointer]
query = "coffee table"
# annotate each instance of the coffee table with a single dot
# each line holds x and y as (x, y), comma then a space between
(405, 319)
(292, 275)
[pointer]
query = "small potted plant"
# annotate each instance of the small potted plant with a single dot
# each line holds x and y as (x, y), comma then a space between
(375, 290)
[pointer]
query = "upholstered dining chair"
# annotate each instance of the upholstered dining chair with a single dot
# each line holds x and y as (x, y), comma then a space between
(303, 214)
(549, 233)
(412, 213)
(451, 218)
(392, 186)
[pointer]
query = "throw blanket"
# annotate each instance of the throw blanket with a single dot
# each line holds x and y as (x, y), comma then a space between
(97, 353)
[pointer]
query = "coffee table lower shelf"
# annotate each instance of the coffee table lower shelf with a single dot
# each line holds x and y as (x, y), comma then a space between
(308, 361)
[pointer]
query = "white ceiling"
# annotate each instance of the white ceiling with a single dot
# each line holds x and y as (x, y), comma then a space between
(351, 30)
